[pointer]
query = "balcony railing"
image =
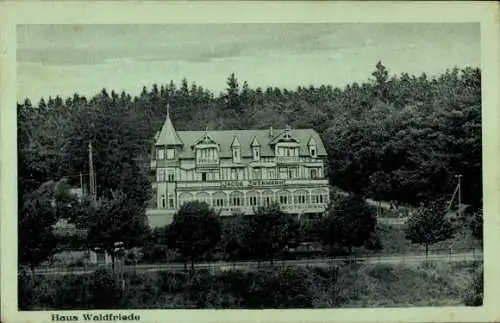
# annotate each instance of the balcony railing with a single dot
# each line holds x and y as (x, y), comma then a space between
(287, 159)
(209, 161)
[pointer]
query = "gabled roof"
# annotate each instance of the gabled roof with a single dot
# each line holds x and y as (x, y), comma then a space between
(168, 135)
(255, 142)
(235, 142)
(206, 139)
(311, 142)
(224, 138)
(285, 136)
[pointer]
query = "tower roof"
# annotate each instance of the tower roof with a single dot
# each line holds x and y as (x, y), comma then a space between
(168, 135)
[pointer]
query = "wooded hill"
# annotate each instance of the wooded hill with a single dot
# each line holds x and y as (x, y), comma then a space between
(392, 137)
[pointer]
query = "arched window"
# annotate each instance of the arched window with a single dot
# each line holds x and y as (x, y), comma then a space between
(319, 197)
(284, 197)
(219, 199)
(253, 198)
(236, 199)
(184, 198)
(267, 198)
(203, 197)
(301, 197)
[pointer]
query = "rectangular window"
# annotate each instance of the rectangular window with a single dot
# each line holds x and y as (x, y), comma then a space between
(161, 153)
(257, 173)
(283, 173)
(292, 173)
(171, 201)
(203, 177)
(234, 173)
(272, 173)
(256, 153)
(170, 153)
(170, 175)
(163, 202)
(161, 175)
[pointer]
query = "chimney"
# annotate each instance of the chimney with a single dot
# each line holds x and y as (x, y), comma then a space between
(271, 131)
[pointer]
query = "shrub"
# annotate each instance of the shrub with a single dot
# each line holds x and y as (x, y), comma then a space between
(373, 242)
(287, 288)
(104, 291)
(141, 291)
(172, 282)
(474, 294)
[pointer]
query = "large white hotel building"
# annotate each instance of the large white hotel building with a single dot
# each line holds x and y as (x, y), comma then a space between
(235, 171)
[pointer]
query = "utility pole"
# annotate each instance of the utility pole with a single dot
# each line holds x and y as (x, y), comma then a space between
(81, 183)
(92, 179)
(459, 177)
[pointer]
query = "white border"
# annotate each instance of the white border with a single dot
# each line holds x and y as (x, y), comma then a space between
(137, 12)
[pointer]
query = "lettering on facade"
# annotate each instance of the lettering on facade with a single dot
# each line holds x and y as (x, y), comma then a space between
(231, 184)
(266, 182)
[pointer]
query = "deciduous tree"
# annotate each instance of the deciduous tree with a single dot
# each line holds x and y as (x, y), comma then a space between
(428, 225)
(196, 230)
(350, 222)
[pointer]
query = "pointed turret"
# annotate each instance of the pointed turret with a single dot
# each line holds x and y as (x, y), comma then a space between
(168, 135)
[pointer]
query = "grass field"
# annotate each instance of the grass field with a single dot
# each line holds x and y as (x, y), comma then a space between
(394, 242)
(380, 285)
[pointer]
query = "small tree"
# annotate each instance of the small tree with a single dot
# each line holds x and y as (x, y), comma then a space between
(350, 222)
(428, 225)
(116, 220)
(196, 230)
(268, 231)
(36, 218)
(476, 224)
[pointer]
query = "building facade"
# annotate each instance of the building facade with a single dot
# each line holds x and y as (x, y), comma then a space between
(236, 171)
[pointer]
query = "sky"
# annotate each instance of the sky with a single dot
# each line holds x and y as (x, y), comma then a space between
(64, 59)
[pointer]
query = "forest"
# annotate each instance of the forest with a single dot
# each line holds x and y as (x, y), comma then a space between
(399, 138)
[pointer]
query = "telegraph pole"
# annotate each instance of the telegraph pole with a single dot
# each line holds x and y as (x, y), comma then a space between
(92, 181)
(81, 182)
(459, 177)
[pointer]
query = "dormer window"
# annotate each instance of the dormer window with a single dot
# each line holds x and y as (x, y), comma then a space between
(256, 153)
(236, 154)
(206, 151)
(235, 146)
(255, 149)
(312, 147)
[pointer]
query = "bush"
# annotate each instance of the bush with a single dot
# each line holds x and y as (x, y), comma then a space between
(104, 290)
(141, 291)
(172, 282)
(25, 294)
(288, 288)
(474, 294)
(373, 242)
